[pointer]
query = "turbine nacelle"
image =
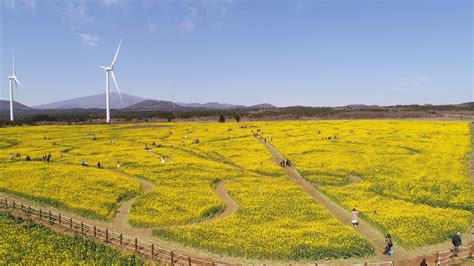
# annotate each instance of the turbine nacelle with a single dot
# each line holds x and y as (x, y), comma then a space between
(106, 68)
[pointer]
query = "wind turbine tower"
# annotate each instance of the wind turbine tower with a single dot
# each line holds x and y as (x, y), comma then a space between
(13, 79)
(109, 71)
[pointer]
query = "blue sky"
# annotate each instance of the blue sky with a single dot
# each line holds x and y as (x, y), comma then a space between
(317, 53)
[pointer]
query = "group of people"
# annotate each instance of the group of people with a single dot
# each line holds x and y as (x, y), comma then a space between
(47, 157)
(99, 164)
(285, 163)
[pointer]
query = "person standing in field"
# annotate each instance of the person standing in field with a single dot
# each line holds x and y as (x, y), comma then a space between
(456, 240)
(423, 263)
(83, 162)
(118, 164)
(355, 218)
(388, 248)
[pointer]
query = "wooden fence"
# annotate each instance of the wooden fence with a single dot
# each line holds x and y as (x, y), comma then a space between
(136, 245)
(166, 256)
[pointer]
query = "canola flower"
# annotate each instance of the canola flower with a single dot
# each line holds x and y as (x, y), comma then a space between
(408, 178)
(26, 243)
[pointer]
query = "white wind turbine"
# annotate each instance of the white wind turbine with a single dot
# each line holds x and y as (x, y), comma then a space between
(110, 70)
(13, 79)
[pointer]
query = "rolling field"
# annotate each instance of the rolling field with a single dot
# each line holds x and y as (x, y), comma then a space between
(26, 243)
(408, 178)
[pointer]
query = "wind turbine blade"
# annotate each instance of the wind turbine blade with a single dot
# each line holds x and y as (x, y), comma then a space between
(13, 56)
(116, 54)
(17, 81)
(16, 85)
(116, 85)
(103, 67)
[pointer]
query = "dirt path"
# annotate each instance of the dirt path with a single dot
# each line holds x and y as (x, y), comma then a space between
(230, 204)
(344, 216)
(121, 216)
(157, 155)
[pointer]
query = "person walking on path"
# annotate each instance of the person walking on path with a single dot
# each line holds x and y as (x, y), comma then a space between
(456, 240)
(355, 219)
(388, 248)
(423, 262)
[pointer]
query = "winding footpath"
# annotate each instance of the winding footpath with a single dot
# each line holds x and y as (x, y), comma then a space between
(121, 216)
(230, 204)
(376, 238)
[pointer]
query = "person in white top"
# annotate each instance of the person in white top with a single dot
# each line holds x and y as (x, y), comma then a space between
(355, 219)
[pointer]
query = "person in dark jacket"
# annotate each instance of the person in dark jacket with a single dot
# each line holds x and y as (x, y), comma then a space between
(388, 247)
(423, 263)
(456, 240)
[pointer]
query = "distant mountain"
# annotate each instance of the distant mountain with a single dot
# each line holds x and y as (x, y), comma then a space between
(152, 105)
(215, 105)
(467, 104)
(360, 106)
(212, 105)
(262, 106)
(93, 101)
(17, 107)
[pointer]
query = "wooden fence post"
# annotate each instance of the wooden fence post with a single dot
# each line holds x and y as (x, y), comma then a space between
(121, 241)
(172, 258)
(95, 231)
(6, 203)
(49, 215)
(471, 251)
(136, 244)
(70, 223)
(29, 210)
(152, 251)
(41, 215)
(189, 261)
(59, 215)
(21, 206)
(82, 228)
(106, 235)
(14, 205)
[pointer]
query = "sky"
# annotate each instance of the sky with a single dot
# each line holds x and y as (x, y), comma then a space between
(312, 53)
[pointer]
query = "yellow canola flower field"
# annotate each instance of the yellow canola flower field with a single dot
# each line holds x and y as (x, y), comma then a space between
(87, 191)
(26, 243)
(409, 178)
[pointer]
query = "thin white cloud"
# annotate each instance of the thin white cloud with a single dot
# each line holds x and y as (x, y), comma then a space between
(20, 5)
(412, 83)
(190, 22)
(88, 39)
(110, 3)
(76, 12)
(151, 25)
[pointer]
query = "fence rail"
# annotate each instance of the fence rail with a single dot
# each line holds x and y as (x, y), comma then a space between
(163, 255)
(136, 245)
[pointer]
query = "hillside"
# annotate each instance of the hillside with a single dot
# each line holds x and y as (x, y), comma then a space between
(93, 101)
(152, 105)
(17, 107)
